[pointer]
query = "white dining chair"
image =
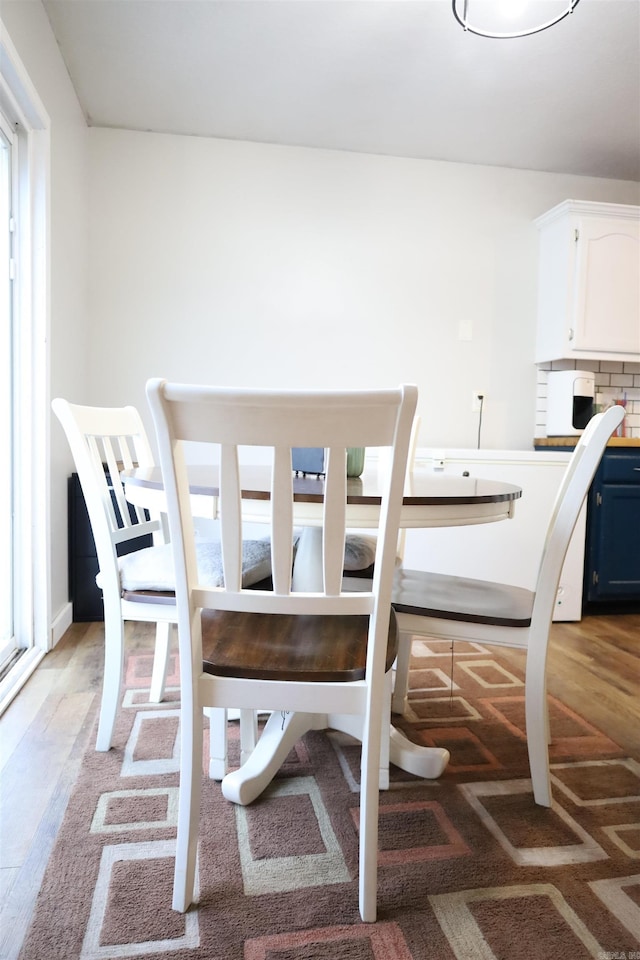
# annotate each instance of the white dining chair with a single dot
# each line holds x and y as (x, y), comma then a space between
(138, 585)
(438, 606)
(320, 652)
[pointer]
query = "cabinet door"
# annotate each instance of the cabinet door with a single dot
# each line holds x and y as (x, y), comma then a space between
(84, 593)
(614, 543)
(607, 300)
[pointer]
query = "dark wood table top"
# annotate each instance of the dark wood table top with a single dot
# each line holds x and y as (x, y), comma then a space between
(425, 488)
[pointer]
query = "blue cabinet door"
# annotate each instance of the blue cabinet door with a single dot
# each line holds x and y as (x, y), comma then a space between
(613, 549)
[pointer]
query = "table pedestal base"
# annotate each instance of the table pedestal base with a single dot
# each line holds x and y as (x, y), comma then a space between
(281, 733)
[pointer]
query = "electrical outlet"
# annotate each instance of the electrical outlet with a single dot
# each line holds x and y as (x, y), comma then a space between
(477, 399)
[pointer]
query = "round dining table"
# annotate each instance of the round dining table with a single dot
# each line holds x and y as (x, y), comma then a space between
(431, 499)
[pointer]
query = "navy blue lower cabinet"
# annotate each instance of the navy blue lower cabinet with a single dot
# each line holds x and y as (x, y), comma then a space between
(612, 557)
(84, 593)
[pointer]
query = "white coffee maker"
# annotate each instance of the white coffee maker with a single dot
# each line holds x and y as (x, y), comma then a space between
(570, 396)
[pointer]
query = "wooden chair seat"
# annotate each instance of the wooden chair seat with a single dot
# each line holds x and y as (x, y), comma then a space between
(289, 647)
(425, 594)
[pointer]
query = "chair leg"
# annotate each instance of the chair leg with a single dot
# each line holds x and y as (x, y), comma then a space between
(537, 725)
(401, 670)
(385, 740)
(369, 802)
(113, 666)
(189, 807)
(160, 661)
(248, 733)
(217, 742)
(218, 751)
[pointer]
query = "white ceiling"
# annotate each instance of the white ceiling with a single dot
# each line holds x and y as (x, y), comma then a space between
(396, 77)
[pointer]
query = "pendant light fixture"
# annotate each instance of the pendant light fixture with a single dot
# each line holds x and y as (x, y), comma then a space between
(462, 13)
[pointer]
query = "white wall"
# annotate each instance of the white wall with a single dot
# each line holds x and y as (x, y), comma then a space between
(234, 262)
(29, 30)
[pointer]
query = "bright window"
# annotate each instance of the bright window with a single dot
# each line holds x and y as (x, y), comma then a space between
(24, 383)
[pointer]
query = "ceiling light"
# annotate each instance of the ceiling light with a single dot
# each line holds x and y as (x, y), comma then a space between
(483, 27)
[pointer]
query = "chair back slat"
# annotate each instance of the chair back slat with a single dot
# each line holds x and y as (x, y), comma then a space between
(127, 461)
(568, 503)
(117, 458)
(100, 477)
(335, 499)
(282, 520)
(583, 441)
(230, 517)
(103, 442)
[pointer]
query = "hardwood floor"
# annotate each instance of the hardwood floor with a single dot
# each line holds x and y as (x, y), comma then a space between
(43, 736)
(594, 667)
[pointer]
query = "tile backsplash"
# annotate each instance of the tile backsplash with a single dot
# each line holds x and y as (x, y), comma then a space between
(613, 378)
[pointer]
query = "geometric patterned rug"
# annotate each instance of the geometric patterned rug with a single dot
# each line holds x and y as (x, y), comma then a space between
(469, 867)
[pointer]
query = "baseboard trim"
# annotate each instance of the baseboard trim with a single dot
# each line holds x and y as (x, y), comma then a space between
(61, 623)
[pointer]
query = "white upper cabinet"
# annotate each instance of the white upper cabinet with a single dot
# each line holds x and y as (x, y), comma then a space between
(589, 282)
